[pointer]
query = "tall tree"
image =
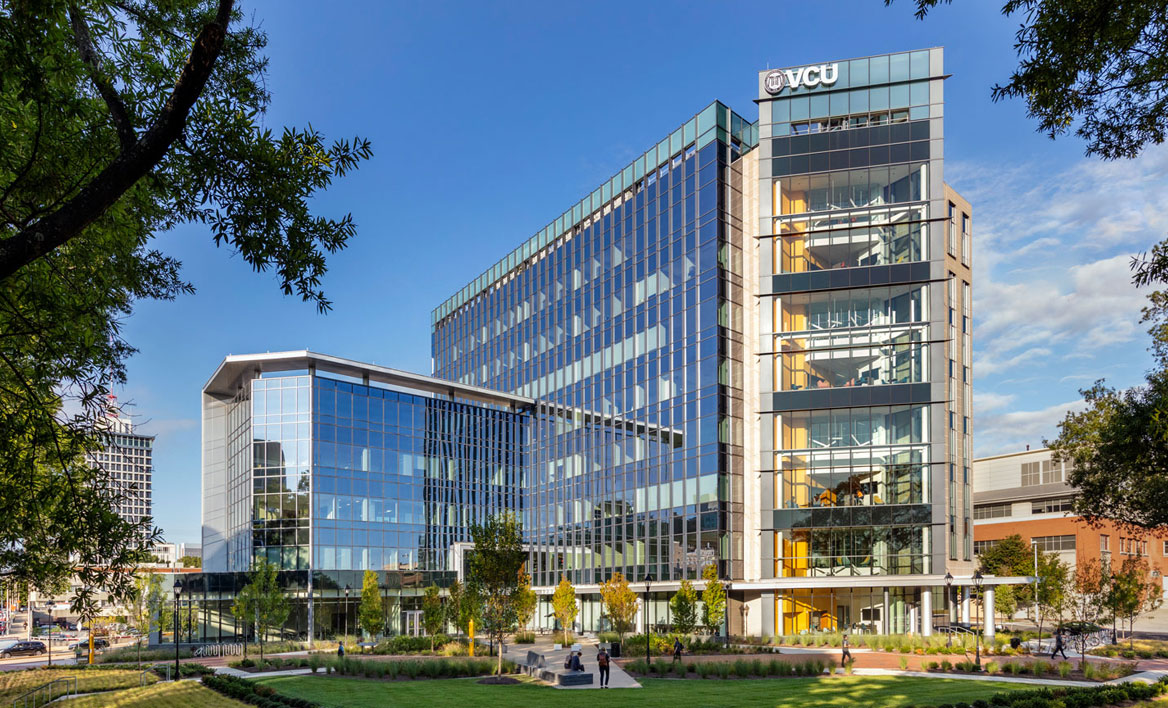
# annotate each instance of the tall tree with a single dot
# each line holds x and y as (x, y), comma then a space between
(1009, 556)
(525, 600)
(493, 568)
(145, 606)
(120, 119)
(713, 599)
(684, 608)
(564, 605)
(1099, 67)
(1088, 601)
(1118, 446)
(262, 601)
(620, 604)
(1134, 592)
(1050, 598)
(371, 611)
(433, 613)
(465, 606)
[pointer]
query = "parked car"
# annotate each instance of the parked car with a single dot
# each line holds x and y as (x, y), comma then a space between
(83, 644)
(23, 649)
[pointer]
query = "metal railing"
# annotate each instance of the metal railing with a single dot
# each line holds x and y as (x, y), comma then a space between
(47, 693)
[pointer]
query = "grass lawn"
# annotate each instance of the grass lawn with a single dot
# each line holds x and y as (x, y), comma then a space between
(189, 694)
(14, 683)
(840, 691)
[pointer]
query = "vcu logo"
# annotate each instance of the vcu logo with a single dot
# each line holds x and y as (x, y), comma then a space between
(808, 77)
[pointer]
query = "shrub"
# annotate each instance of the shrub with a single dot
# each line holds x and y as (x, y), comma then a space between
(946, 665)
(1089, 672)
(903, 663)
(253, 693)
(849, 664)
(1064, 669)
(1039, 667)
(929, 665)
(521, 638)
(992, 667)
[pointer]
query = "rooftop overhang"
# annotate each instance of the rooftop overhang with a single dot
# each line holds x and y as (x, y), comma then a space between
(879, 581)
(236, 368)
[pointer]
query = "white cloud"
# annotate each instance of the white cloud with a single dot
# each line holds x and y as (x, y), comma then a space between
(989, 401)
(1010, 431)
(1092, 307)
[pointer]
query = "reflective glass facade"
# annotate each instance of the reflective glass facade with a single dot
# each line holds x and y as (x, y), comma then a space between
(750, 347)
(633, 313)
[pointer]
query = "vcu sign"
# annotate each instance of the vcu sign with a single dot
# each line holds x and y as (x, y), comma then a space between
(807, 77)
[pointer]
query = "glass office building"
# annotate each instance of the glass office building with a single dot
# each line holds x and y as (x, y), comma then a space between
(749, 348)
(791, 297)
(863, 373)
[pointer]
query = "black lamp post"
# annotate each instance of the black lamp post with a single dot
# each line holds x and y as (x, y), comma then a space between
(346, 613)
(645, 604)
(949, 604)
(981, 612)
(178, 588)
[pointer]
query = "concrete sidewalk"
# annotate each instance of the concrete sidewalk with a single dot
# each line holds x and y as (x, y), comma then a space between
(554, 661)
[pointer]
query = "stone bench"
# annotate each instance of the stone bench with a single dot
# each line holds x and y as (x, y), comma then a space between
(574, 678)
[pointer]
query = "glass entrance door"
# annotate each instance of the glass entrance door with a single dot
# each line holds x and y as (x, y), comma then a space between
(412, 623)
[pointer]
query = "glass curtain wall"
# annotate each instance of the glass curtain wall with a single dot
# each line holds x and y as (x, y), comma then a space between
(627, 318)
(848, 185)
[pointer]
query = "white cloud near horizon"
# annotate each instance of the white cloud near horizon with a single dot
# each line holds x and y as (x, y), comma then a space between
(1054, 305)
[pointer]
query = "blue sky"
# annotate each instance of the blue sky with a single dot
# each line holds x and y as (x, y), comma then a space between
(488, 119)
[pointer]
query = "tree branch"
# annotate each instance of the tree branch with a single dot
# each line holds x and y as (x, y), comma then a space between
(109, 94)
(130, 165)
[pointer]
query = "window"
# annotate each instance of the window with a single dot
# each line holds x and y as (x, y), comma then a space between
(1132, 547)
(980, 547)
(1105, 543)
(992, 511)
(1054, 543)
(1165, 548)
(965, 239)
(1051, 506)
(1031, 474)
(952, 229)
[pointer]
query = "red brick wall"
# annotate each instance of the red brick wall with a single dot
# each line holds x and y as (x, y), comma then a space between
(1087, 543)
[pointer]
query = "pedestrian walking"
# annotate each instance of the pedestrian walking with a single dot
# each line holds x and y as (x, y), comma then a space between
(602, 662)
(341, 649)
(846, 656)
(1058, 645)
(677, 649)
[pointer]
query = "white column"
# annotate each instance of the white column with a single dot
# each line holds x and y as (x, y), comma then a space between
(927, 612)
(965, 605)
(989, 614)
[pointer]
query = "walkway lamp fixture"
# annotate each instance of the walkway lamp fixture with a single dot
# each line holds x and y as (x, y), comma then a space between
(178, 588)
(347, 589)
(645, 608)
(977, 637)
(949, 604)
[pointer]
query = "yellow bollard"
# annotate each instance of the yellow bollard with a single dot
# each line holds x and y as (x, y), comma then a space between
(91, 643)
(470, 649)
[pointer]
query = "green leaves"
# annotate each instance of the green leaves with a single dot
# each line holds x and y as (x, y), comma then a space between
(1100, 65)
(110, 132)
(684, 608)
(371, 612)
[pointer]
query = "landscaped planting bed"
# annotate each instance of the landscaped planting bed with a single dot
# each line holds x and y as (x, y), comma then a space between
(736, 668)
(1097, 671)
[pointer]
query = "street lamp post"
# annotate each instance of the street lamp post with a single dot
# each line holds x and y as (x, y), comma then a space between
(981, 613)
(178, 588)
(645, 605)
(347, 589)
(949, 603)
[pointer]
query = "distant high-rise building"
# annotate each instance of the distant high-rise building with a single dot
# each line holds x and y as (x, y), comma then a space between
(128, 458)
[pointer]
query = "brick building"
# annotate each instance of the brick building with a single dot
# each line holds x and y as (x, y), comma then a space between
(1027, 493)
